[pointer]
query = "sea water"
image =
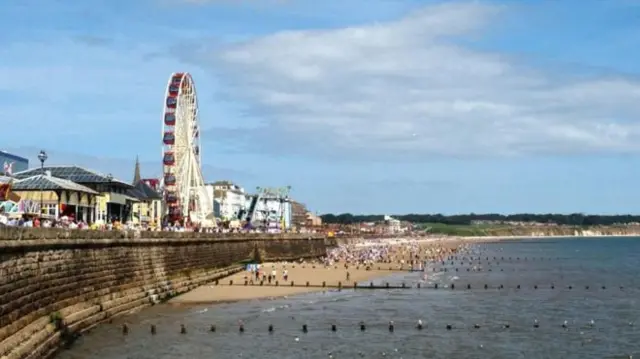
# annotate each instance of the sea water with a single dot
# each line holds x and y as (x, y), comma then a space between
(478, 317)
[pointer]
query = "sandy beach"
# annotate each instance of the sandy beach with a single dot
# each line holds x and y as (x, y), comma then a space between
(360, 262)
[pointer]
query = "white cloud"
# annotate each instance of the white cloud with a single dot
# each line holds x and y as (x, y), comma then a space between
(409, 86)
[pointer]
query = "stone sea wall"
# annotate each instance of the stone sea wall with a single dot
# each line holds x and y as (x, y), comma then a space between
(54, 284)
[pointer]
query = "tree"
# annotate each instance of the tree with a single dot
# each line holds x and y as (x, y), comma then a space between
(573, 219)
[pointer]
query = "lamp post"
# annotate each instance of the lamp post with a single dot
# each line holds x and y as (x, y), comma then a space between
(42, 156)
(109, 179)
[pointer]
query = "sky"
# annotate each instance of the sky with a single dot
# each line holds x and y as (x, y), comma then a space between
(361, 106)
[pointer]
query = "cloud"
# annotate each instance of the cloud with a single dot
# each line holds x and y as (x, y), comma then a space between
(410, 88)
(229, 2)
(88, 88)
(90, 40)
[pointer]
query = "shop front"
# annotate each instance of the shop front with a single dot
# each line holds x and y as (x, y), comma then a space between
(117, 207)
(55, 197)
(77, 205)
(37, 202)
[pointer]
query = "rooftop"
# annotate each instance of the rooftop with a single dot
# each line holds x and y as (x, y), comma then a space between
(142, 191)
(221, 183)
(44, 183)
(14, 157)
(72, 173)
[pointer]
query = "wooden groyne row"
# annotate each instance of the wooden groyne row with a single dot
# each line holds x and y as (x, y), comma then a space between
(415, 286)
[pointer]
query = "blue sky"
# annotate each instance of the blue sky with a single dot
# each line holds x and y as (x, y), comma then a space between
(364, 106)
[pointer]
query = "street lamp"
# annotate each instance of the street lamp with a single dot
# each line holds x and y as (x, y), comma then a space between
(109, 179)
(42, 156)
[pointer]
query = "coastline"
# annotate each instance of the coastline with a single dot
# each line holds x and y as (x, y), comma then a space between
(477, 239)
(332, 276)
(317, 274)
(335, 275)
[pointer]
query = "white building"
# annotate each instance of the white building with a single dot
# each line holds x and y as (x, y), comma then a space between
(229, 199)
(393, 225)
(273, 209)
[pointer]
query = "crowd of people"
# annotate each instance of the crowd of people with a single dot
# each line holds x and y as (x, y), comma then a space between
(70, 222)
(400, 251)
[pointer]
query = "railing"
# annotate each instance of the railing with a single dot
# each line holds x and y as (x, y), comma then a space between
(27, 233)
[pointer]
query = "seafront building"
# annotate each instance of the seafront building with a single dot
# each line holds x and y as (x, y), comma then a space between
(12, 163)
(113, 201)
(313, 220)
(298, 214)
(303, 218)
(147, 211)
(270, 208)
(84, 195)
(229, 200)
(393, 225)
(50, 196)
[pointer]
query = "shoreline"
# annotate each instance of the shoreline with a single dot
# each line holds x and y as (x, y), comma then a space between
(334, 275)
(399, 253)
(225, 293)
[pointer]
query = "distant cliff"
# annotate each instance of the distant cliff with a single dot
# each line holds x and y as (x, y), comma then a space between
(591, 231)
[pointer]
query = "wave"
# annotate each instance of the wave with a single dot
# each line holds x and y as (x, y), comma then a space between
(279, 307)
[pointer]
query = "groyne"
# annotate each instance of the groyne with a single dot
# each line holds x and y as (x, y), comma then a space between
(55, 284)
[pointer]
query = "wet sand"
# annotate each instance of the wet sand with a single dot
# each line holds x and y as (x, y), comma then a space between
(314, 273)
(223, 292)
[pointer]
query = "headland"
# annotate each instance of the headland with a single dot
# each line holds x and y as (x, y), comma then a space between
(527, 231)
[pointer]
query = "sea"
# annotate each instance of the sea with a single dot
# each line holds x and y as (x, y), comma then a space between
(577, 298)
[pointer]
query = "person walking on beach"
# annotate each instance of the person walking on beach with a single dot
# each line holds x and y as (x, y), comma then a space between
(285, 275)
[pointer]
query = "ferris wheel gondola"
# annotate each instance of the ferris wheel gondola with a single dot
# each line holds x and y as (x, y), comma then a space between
(182, 184)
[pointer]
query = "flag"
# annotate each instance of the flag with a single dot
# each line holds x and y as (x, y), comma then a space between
(8, 168)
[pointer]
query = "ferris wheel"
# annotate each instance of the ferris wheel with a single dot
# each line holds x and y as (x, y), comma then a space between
(183, 188)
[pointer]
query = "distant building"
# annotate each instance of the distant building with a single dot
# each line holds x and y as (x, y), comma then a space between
(229, 199)
(298, 214)
(148, 210)
(272, 210)
(393, 225)
(112, 204)
(12, 163)
(153, 183)
(313, 220)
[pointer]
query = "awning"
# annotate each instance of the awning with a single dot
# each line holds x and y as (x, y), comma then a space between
(142, 218)
(119, 198)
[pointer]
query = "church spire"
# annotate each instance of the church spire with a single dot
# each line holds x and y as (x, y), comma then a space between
(136, 173)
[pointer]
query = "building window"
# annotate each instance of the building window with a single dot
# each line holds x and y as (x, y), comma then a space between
(49, 209)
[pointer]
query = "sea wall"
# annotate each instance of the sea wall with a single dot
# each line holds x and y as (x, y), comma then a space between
(54, 283)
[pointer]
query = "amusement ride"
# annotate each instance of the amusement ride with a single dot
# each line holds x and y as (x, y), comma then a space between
(186, 199)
